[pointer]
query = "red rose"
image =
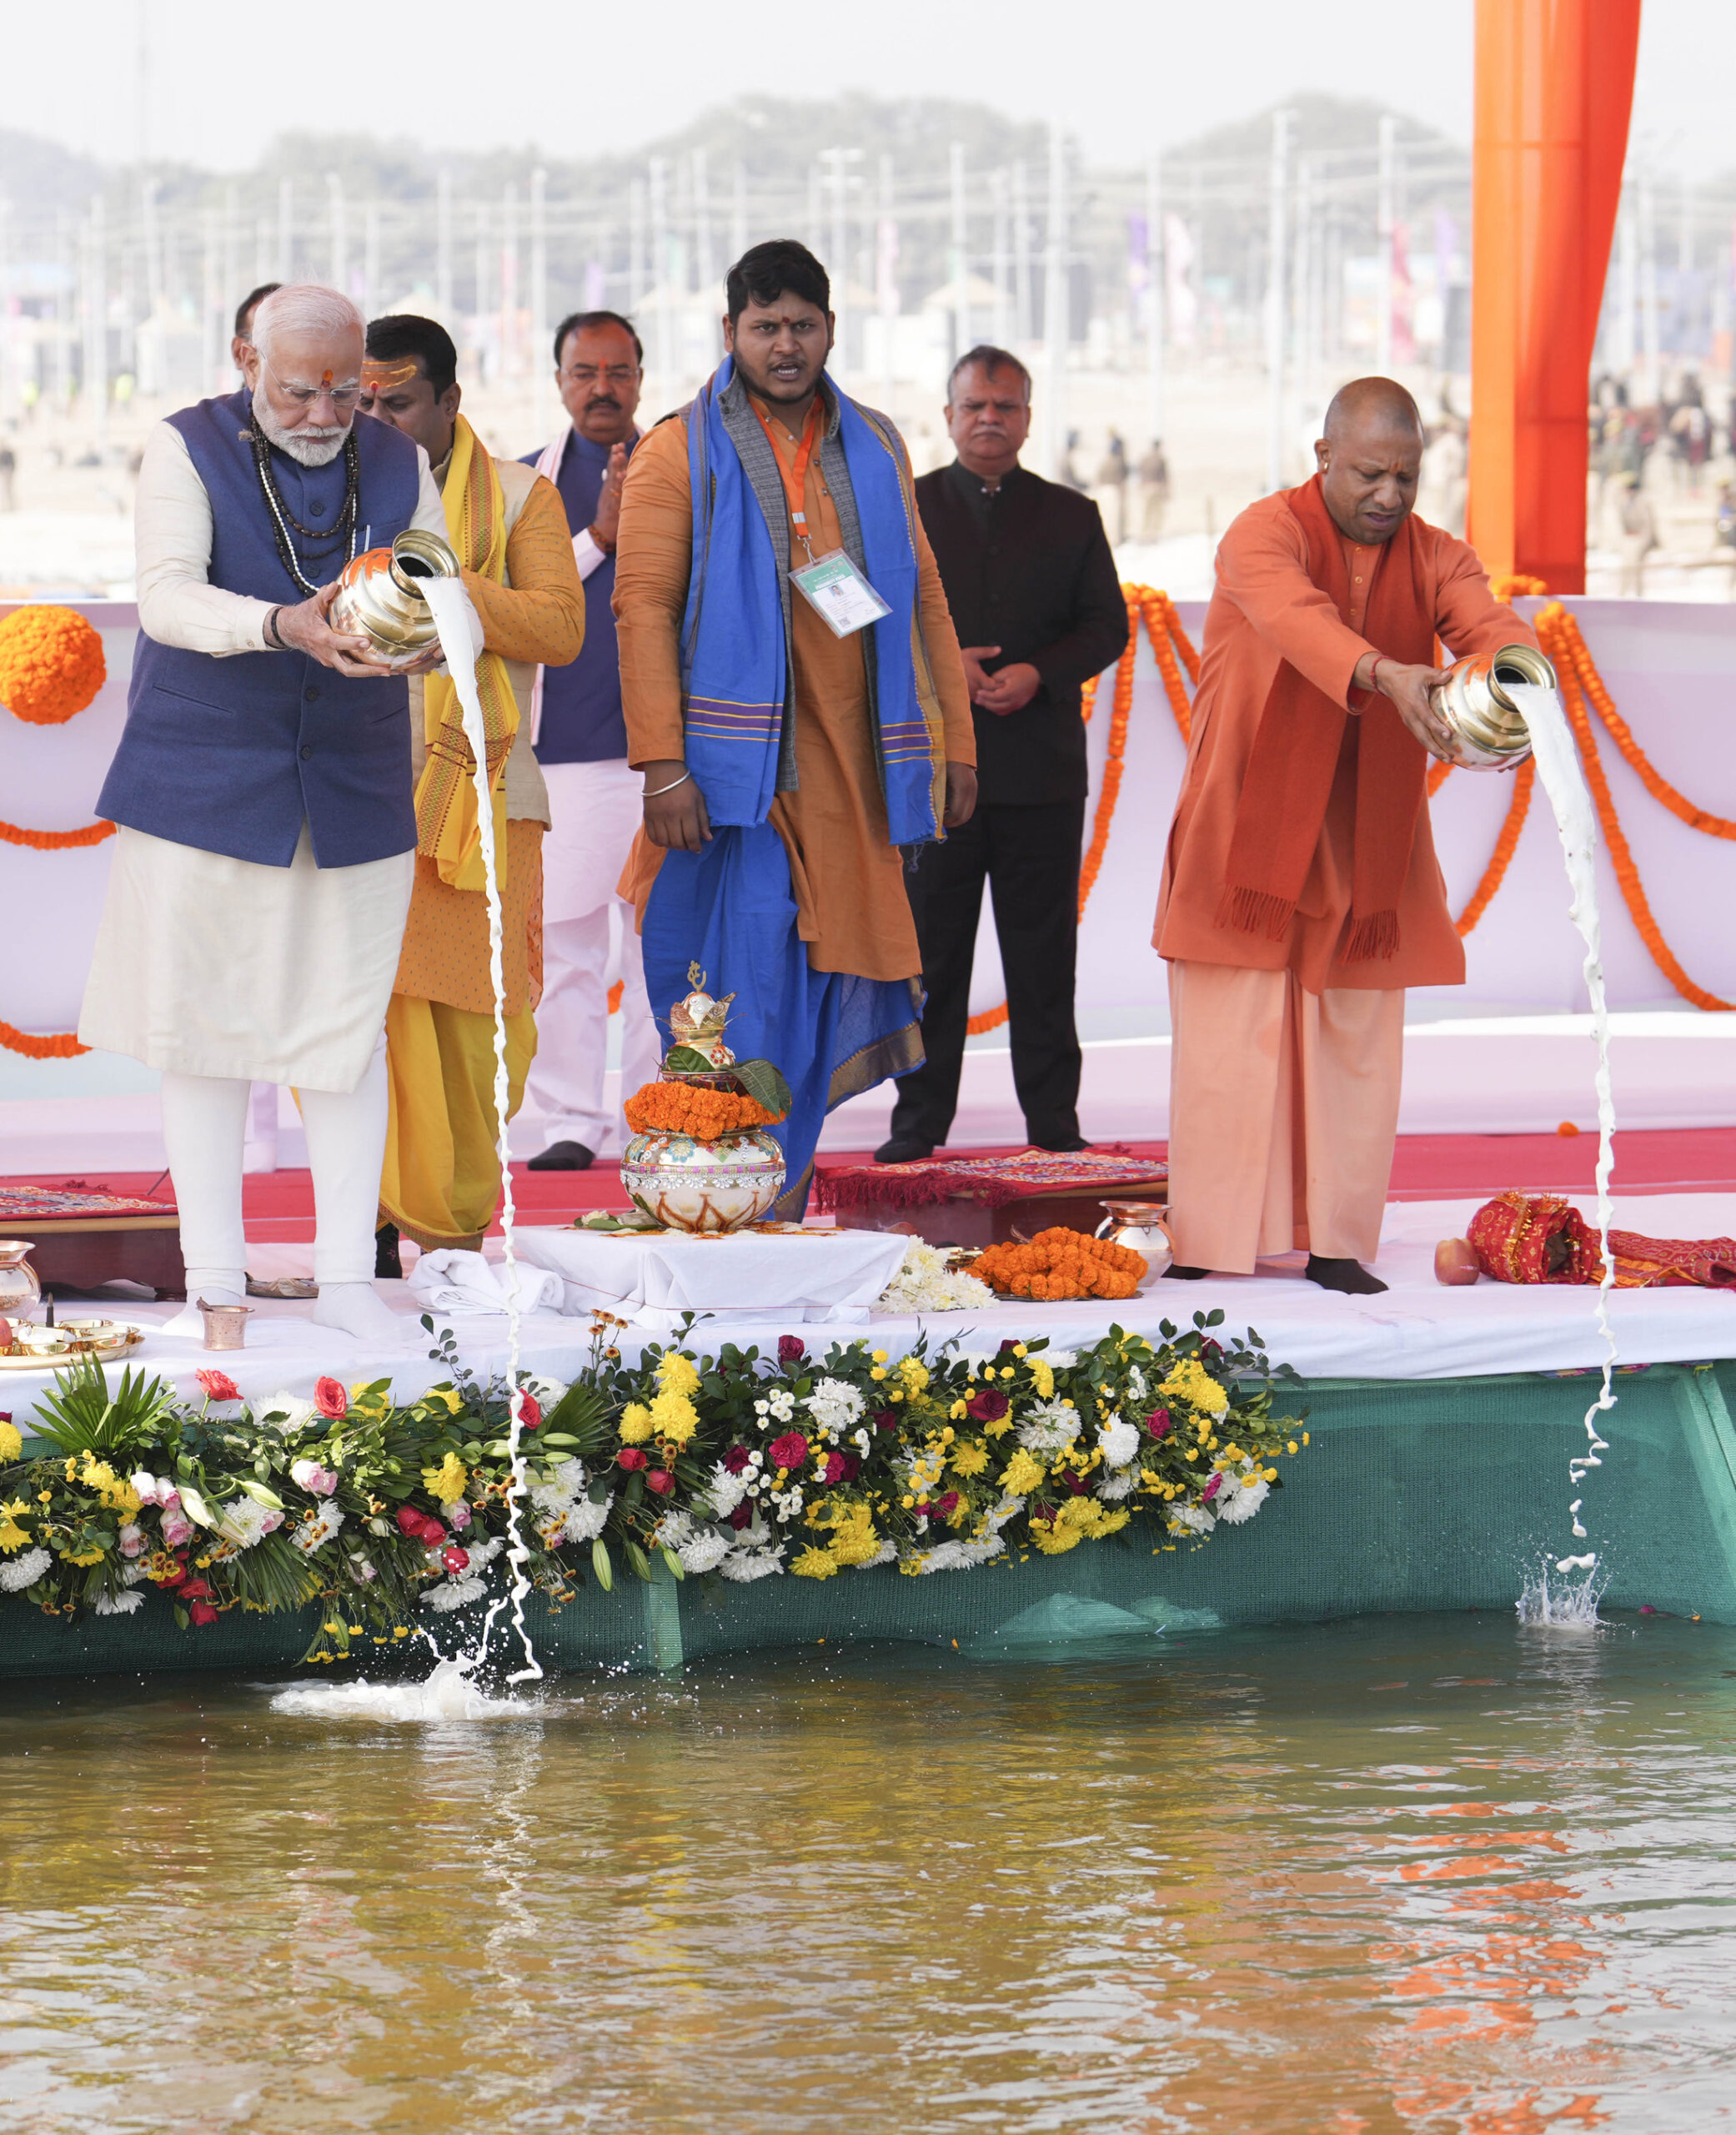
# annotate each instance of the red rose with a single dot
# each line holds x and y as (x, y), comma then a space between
(791, 1349)
(836, 1469)
(742, 1516)
(987, 1407)
(202, 1612)
(1076, 1484)
(630, 1456)
(1157, 1423)
(852, 1466)
(947, 1505)
(735, 1460)
(409, 1520)
(330, 1397)
(455, 1559)
(530, 1414)
(1211, 1489)
(885, 1419)
(788, 1452)
(1009, 1343)
(218, 1386)
(661, 1480)
(1211, 1352)
(195, 1589)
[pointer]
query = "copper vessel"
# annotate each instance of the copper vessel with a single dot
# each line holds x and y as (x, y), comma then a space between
(19, 1290)
(225, 1324)
(379, 596)
(1488, 730)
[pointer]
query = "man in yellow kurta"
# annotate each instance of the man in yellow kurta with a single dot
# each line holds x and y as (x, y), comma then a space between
(787, 759)
(442, 1175)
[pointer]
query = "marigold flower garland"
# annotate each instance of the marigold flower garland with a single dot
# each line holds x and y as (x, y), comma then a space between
(737, 1465)
(50, 664)
(695, 1110)
(54, 841)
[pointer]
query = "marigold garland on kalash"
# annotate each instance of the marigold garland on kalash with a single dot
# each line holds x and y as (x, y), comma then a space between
(696, 1110)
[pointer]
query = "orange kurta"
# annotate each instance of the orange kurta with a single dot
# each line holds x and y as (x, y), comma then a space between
(848, 880)
(1266, 609)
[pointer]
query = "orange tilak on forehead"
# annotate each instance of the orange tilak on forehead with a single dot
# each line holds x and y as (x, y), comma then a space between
(382, 377)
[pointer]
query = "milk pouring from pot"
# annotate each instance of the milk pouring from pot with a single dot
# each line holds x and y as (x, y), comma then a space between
(1482, 701)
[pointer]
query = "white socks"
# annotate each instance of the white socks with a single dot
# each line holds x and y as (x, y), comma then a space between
(204, 1126)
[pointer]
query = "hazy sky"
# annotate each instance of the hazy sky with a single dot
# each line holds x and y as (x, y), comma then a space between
(572, 78)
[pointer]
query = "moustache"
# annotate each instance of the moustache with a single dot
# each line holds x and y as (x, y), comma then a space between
(599, 402)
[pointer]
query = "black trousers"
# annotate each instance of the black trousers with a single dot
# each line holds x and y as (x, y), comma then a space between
(1030, 858)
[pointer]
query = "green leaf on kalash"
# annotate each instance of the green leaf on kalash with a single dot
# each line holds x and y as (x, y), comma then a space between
(765, 1085)
(689, 1060)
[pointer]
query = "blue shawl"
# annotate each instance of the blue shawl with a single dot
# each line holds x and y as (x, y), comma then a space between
(735, 680)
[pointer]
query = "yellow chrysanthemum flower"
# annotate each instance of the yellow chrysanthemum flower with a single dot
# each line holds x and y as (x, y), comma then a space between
(448, 1482)
(1041, 1377)
(636, 1423)
(914, 1373)
(12, 1536)
(815, 1564)
(1056, 1540)
(82, 1556)
(12, 1442)
(117, 1495)
(1022, 1474)
(677, 1374)
(675, 1415)
(1191, 1383)
(969, 1457)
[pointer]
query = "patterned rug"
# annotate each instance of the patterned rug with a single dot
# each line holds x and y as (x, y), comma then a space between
(993, 1181)
(68, 1204)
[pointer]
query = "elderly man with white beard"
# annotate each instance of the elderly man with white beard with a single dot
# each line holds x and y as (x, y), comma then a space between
(266, 847)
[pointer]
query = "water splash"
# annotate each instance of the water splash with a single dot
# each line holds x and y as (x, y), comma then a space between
(451, 615)
(1568, 1607)
(1557, 766)
(450, 1693)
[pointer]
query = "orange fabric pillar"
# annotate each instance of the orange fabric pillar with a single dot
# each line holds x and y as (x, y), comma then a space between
(1554, 89)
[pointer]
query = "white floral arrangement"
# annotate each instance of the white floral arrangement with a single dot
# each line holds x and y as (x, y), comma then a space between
(927, 1281)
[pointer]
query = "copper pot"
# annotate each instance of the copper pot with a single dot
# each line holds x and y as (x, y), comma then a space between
(1488, 730)
(19, 1290)
(379, 597)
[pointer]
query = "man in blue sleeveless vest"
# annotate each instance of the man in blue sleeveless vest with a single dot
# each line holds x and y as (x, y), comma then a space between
(264, 863)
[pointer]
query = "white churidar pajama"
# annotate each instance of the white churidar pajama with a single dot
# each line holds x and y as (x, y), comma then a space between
(596, 810)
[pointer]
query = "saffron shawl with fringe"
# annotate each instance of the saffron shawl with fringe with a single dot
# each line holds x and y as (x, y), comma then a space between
(1296, 749)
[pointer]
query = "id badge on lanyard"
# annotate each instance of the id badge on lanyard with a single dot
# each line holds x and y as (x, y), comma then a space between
(839, 593)
(831, 584)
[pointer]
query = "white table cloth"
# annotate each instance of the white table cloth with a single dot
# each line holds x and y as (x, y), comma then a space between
(651, 1278)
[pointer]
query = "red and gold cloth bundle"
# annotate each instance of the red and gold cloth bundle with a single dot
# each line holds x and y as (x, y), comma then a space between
(1542, 1238)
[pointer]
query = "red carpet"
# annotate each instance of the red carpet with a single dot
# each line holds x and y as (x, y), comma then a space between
(280, 1205)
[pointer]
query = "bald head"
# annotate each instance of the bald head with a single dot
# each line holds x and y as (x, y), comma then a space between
(1370, 458)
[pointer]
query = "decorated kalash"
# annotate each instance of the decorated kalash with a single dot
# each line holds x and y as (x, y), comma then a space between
(701, 1158)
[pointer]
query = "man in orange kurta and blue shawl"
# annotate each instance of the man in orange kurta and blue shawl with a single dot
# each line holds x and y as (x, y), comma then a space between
(788, 765)
(1301, 891)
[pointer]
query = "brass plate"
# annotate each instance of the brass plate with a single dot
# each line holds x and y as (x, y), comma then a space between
(101, 1339)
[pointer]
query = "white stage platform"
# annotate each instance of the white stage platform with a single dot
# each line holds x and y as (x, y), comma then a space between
(1417, 1330)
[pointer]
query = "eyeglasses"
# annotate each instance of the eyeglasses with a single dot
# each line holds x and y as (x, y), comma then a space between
(588, 373)
(342, 397)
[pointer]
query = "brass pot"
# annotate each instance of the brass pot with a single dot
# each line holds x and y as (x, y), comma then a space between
(1488, 729)
(686, 1185)
(379, 596)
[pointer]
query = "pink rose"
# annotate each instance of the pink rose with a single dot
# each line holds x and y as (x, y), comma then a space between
(458, 1515)
(132, 1540)
(177, 1528)
(329, 1398)
(218, 1386)
(661, 1480)
(1211, 1489)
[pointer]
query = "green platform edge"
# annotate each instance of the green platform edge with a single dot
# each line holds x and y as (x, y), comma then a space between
(1431, 1495)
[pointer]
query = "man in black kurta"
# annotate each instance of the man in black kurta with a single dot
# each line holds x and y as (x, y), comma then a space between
(1035, 600)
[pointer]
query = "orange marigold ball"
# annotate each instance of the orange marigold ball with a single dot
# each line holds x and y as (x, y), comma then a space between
(50, 664)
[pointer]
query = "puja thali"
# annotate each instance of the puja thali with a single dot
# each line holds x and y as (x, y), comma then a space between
(36, 1347)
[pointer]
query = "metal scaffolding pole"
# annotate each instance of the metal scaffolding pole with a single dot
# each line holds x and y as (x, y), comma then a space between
(1001, 259)
(1155, 290)
(96, 321)
(1056, 323)
(1277, 290)
(886, 280)
(443, 245)
(957, 256)
(1024, 317)
(286, 231)
(1386, 186)
(539, 323)
(661, 292)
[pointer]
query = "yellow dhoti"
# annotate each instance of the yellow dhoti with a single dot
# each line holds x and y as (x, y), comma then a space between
(1283, 1115)
(441, 1180)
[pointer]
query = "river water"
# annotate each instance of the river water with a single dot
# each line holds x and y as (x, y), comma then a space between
(1425, 1873)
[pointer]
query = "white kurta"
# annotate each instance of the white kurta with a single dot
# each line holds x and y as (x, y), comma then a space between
(209, 965)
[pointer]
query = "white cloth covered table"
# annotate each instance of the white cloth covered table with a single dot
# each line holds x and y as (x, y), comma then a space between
(651, 1278)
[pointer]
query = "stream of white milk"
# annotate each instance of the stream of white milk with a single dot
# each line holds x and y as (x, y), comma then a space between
(1557, 766)
(452, 614)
